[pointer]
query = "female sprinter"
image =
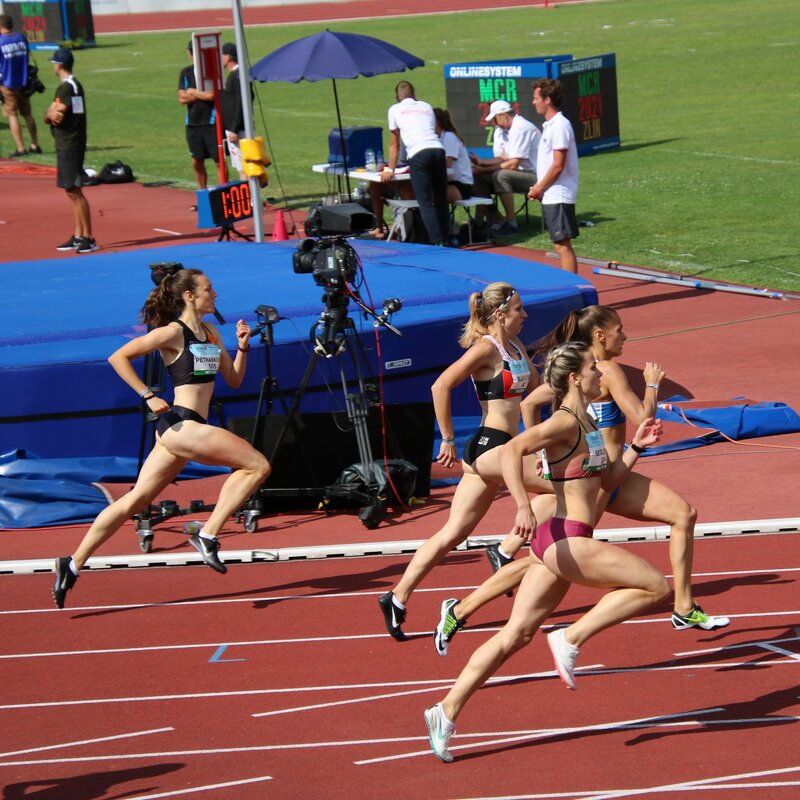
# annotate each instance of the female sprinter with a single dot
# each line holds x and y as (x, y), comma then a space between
(496, 361)
(563, 550)
(638, 497)
(191, 351)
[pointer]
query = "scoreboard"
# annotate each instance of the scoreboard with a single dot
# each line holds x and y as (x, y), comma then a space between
(589, 97)
(46, 23)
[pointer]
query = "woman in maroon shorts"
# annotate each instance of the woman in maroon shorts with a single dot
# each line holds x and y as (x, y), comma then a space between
(563, 551)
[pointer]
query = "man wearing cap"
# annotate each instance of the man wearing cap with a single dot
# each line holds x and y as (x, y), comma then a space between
(557, 171)
(511, 169)
(232, 109)
(14, 58)
(201, 132)
(413, 122)
(66, 117)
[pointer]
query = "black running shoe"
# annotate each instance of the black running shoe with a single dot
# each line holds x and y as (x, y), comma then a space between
(208, 549)
(70, 244)
(498, 560)
(86, 245)
(65, 580)
(393, 615)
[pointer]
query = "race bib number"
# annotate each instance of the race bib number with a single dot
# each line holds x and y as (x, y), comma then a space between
(205, 358)
(520, 375)
(77, 104)
(597, 458)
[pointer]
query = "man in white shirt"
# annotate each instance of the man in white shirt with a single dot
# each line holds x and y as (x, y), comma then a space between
(413, 121)
(511, 170)
(557, 168)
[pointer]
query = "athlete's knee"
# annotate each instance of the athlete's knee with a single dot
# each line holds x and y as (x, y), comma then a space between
(261, 468)
(660, 589)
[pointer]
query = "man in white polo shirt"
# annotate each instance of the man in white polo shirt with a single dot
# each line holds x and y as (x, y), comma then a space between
(557, 170)
(413, 121)
(511, 169)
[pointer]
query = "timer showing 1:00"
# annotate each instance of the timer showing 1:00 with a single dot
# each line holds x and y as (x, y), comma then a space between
(223, 205)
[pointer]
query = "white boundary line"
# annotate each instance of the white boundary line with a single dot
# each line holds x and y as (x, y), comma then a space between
(207, 787)
(361, 549)
(84, 741)
(433, 685)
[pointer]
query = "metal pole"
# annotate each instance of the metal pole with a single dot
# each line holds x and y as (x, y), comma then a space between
(692, 283)
(247, 108)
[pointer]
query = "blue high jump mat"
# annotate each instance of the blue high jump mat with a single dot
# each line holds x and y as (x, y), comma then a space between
(63, 318)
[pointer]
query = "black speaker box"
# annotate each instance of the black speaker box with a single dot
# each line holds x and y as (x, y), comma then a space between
(346, 218)
(318, 447)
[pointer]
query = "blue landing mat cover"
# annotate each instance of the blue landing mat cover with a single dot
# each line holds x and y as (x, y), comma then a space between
(40, 492)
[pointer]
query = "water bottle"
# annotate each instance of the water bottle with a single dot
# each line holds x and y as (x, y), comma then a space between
(380, 162)
(369, 160)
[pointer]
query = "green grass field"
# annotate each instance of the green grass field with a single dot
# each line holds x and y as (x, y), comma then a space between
(707, 180)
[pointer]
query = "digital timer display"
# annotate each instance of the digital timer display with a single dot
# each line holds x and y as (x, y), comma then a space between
(589, 97)
(224, 205)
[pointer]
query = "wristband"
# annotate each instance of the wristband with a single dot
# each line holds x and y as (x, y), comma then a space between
(448, 441)
(244, 350)
(152, 395)
(636, 449)
(652, 386)
(145, 391)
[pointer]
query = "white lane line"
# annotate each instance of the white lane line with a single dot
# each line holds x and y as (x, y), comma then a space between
(587, 671)
(720, 782)
(542, 734)
(205, 788)
(173, 233)
(740, 646)
(317, 639)
(85, 741)
(353, 700)
(448, 591)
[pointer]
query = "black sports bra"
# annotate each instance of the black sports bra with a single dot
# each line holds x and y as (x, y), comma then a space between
(511, 381)
(198, 361)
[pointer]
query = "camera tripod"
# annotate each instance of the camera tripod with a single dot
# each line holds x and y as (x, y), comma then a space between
(337, 333)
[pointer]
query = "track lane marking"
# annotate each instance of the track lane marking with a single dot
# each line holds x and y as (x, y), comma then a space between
(353, 700)
(334, 596)
(587, 672)
(85, 741)
(213, 646)
(207, 787)
(545, 733)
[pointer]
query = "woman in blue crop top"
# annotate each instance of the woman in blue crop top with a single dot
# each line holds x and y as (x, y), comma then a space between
(496, 361)
(638, 497)
(193, 354)
(568, 553)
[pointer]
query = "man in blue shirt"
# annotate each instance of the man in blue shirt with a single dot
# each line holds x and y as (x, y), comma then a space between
(14, 76)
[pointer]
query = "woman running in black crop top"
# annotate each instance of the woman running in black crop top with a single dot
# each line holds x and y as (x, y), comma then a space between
(495, 360)
(569, 553)
(192, 353)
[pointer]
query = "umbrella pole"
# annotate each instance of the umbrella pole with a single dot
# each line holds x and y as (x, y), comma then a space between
(341, 140)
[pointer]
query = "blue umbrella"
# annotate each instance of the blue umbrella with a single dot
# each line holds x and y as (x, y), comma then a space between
(333, 54)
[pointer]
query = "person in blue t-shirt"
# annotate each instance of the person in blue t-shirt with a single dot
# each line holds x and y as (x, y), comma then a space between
(14, 57)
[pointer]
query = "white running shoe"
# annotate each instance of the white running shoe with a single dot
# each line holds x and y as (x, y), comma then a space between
(439, 732)
(564, 655)
(697, 618)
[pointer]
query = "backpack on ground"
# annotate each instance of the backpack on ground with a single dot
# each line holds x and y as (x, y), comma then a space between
(116, 173)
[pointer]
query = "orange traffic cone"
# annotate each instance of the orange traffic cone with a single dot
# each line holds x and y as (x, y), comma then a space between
(279, 230)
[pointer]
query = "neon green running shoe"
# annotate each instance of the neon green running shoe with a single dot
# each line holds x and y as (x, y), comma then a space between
(449, 625)
(697, 618)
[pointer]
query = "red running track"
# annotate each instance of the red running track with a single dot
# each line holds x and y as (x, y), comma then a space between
(278, 681)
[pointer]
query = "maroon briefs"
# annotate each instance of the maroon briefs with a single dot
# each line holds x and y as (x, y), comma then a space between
(556, 529)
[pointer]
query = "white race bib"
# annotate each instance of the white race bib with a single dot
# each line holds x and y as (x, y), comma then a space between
(205, 358)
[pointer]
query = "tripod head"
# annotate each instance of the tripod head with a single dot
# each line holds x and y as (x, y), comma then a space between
(267, 317)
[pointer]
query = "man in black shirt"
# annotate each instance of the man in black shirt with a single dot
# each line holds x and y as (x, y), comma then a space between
(201, 133)
(232, 109)
(66, 117)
